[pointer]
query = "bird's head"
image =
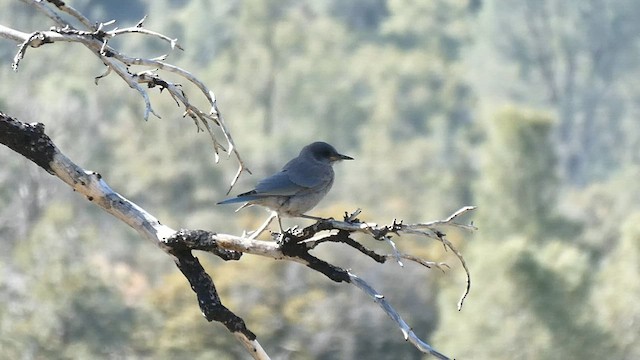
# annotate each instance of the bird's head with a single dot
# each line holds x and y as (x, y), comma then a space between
(323, 152)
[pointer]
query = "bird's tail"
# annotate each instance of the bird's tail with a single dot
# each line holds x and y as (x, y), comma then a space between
(232, 201)
(244, 199)
(237, 199)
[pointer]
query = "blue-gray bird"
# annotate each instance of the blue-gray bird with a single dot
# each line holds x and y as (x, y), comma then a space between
(299, 186)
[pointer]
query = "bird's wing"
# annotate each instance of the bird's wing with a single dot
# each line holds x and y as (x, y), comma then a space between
(278, 184)
(275, 185)
(308, 174)
(296, 176)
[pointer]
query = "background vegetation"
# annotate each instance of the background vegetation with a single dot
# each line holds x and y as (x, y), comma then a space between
(527, 109)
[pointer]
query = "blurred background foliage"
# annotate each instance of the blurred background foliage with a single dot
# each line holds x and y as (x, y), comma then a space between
(527, 109)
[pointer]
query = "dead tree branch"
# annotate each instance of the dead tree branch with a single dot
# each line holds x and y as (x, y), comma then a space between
(95, 37)
(383, 233)
(31, 141)
(293, 245)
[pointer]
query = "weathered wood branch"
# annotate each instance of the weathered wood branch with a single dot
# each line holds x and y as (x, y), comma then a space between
(95, 37)
(31, 141)
(294, 245)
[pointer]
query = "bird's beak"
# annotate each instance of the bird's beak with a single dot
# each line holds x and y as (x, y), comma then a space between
(341, 157)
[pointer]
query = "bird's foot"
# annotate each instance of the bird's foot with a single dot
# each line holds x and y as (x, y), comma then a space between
(291, 231)
(278, 236)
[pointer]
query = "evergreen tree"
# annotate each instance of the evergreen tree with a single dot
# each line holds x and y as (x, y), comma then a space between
(530, 286)
(517, 185)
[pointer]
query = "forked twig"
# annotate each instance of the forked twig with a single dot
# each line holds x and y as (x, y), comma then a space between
(96, 38)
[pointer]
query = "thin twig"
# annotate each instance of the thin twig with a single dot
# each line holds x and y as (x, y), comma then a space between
(65, 7)
(407, 332)
(449, 221)
(428, 229)
(137, 29)
(96, 39)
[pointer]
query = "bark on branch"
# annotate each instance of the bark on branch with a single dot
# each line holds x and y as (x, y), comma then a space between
(96, 36)
(294, 245)
(31, 141)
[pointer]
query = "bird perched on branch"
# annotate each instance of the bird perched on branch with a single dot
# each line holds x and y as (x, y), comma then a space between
(298, 187)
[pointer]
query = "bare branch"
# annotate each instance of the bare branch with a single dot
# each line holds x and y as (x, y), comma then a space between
(293, 245)
(34, 40)
(96, 38)
(254, 347)
(449, 221)
(232, 149)
(47, 11)
(428, 229)
(428, 264)
(139, 30)
(64, 7)
(12, 34)
(30, 141)
(407, 332)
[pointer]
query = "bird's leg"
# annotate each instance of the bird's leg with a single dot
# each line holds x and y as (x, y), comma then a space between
(279, 222)
(262, 227)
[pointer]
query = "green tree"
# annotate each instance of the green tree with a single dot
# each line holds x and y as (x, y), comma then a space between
(531, 286)
(529, 301)
(59, 305)
(379, 86)
(517, 186)
(573, 57)
(616, 289)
